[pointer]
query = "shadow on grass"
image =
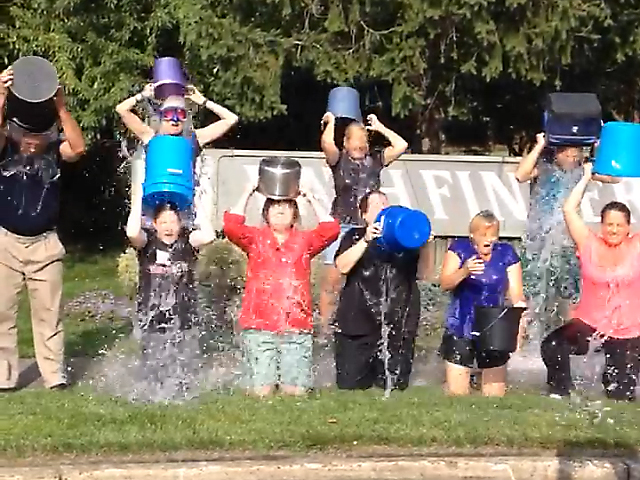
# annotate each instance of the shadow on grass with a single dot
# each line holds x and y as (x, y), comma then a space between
(97, 340)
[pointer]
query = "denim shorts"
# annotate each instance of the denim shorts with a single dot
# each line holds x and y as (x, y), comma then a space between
(330, 251)
(278, 358)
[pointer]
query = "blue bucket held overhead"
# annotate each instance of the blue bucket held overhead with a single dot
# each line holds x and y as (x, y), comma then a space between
(403, 229)
(618, 153)
(169, 172)
(344, 102)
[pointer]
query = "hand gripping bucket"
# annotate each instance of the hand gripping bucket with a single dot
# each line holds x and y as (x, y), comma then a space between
(496, 328)
(344, 102)
(169, 172)
(403, 229)
(168, 78)
(618, 153)
(30, 100)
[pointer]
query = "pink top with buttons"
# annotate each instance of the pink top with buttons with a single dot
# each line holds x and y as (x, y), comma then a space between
(610, 279)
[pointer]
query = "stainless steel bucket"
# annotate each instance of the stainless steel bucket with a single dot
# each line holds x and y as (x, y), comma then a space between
(279, 178)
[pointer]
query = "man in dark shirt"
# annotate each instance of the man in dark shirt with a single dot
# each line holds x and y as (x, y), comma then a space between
(30, 250)
(379, 310)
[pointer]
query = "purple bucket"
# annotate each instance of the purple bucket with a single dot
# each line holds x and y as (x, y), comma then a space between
(168, 78)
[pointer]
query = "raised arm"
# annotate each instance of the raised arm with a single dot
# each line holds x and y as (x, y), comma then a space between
(327, 141)
(135, 234)
(217, 129)
(73, 146)
(235, 228)
(205, 234)
(327, 229)
(527, 168)
(141, 130)
(425, 264)
(6, 79)
(346, 260)
(576, 226)
(398, 144)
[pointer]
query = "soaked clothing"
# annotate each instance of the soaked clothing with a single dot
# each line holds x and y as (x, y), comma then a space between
(29, 189)
(610, 279)
(550, 266)
(277, 292)
(379, 305)
(352, 179)
(622, 360)
(485, 290)
(167, 296)
(465, 352)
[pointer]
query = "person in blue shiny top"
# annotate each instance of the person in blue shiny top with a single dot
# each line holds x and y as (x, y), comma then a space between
(478, 271)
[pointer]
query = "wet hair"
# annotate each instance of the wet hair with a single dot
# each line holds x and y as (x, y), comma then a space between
(484, 217)
(353, 126)
(269, 202)
(165, 207)
(363, 205)
(615, 207)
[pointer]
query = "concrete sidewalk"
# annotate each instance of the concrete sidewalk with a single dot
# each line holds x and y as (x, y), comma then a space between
(325, 467)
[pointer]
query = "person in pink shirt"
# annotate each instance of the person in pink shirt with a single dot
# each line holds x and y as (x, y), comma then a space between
(610, 302)
(276, 315)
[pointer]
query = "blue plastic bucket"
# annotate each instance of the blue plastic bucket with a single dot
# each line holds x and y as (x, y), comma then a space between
(403, 228)
(618, 153)
(344, 102)
(169, 172)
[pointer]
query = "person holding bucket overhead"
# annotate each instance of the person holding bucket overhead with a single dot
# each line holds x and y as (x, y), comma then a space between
(276, 316)
(379, 310)
(32, 111)
(166, 307)
(170, 89)
(481, 272)
(356, 171)
(608, 309)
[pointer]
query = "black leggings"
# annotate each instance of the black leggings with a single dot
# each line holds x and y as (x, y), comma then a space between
(622, 357)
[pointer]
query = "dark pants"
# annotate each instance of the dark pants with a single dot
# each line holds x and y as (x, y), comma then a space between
(622, 357)
(360, 360)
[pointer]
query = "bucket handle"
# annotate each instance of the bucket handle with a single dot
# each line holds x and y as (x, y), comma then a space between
(477, 334)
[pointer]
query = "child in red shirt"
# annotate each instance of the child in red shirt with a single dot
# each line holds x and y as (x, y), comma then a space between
(276, 316)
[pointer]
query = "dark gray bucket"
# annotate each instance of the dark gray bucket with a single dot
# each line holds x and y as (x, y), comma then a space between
(30, 101)
(496, 328)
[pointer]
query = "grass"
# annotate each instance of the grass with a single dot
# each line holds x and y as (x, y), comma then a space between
(86, 334)
(76, 422)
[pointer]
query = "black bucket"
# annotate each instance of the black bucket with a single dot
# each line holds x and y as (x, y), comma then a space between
(496, 328)
(30, 101)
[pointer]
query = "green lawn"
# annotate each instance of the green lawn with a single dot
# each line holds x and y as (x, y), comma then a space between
(86, 333)
(80, 422)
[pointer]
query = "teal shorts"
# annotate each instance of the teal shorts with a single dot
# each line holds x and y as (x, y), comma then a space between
(278, 358)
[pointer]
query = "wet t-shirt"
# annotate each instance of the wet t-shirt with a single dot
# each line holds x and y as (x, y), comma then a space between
(381, 286)
(485, 290)
(549, 190)
(352, 179)
(29, 189)
(167, 296)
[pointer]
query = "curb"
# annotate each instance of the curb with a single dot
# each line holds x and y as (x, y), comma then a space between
(450, 468)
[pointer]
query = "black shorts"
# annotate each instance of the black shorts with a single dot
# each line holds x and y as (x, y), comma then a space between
(463, 352)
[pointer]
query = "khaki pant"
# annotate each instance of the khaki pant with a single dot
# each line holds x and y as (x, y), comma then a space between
(37, 263)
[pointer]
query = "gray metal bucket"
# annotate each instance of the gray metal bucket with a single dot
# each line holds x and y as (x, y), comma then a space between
(279, 178)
